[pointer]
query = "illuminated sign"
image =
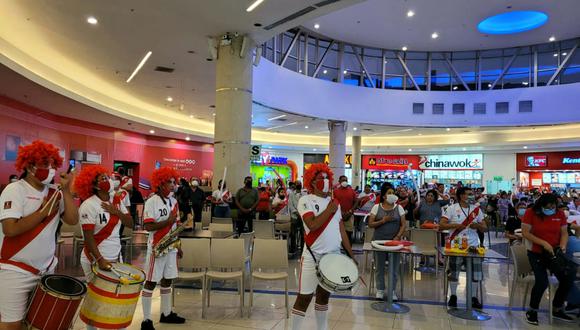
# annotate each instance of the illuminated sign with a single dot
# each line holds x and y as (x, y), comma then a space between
(537, 161)
(568, 160)
(451, 162)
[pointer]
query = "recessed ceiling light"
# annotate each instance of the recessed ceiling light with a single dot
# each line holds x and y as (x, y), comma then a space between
(277, 117)
(92, 20)
(354, 128)
(404, 48)
(434, 35)
(552, 39)
(314, 149)
(187, 138)
(410, 149)
(525, 83)
(455, 88)
(300, 70)
(555, 54)
(317, 26)
(169, 99)
(254, 5)
(564, 54)
(488, 85)
(306, 126)
(324, 71)
(139, 66)
(410, 13)
(151, 131)
(448, 129)
(525, 147)
(345, 72)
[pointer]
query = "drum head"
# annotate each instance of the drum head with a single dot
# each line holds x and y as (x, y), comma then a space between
(339, 269)
(63, 285)
(122, 270)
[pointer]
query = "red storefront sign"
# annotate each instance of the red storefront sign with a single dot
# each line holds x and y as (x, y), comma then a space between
(389, 162)
(550, 161)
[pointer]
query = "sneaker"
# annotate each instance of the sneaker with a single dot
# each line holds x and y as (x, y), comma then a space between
(532, 317)
(560, 315)
(147, 325)
(171, 318)
(475, 303)
(572, 308)
(380, 294)
(452, 301)
(395, 298)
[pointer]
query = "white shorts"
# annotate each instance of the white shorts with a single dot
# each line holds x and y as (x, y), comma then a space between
(161, 267)
(307, 278)
(16, 288)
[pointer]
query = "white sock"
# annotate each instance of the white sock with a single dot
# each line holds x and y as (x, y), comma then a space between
(321, 313)
(474, 288)
(146, 297)
(166, 301)
(453, 287)
(297, 319)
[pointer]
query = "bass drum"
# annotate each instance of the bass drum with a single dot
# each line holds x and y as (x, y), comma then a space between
(55, 302)
(337, 272)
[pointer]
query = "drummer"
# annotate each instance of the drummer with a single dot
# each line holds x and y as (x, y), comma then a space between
(324, 232)
(30, 213)
(160, 217)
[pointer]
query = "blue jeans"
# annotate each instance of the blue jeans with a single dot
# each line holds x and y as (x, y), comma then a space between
(380, 258)
(221, 212)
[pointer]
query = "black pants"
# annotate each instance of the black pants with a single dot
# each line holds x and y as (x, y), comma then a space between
(296, 235)
(541, 274)
(264, 215)
(197, 211)
(244, 218)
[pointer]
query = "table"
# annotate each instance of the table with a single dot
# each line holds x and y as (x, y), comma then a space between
(469, 313)
(205, 234)
(388, 306)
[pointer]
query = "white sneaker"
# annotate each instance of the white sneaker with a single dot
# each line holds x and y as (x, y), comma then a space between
(380, 294)
(395, 298)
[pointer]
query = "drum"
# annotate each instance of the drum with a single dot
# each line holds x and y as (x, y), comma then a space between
(337, 272)
(112, 296)
(55, 302)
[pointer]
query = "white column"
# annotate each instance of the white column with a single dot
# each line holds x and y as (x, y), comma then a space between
(356, 161)
(233, 119)
(337, 146)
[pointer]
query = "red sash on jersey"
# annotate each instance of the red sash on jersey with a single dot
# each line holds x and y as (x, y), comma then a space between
(280, 206)
(313, 235)
(107, 230)
(12, 245)
(159, 234)
(465, 222)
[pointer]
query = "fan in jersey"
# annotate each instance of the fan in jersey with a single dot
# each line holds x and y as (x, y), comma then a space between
(121, 194)
(126, 181)
(160, 218)
(29, 213)
(324, 233)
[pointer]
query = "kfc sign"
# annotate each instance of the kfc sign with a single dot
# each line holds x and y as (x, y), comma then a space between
(451, 162)
(536, 161)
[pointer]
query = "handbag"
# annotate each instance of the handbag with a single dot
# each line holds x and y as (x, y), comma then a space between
(558, 262)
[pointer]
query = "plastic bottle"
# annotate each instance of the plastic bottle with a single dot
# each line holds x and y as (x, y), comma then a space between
(456, 242)
(464, 242)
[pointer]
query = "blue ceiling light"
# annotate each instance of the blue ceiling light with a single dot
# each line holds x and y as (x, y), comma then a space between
(512, 22)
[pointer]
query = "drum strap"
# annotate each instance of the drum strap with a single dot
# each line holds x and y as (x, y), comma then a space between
(470, 218)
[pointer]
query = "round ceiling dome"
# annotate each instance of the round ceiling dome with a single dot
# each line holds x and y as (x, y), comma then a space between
(512, 22)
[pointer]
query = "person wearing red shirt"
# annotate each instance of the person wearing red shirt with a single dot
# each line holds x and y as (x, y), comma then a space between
(546, 228)
(346, 196)
(263, 206)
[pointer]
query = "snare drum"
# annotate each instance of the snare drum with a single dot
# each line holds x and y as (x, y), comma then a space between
(55, 302)
(337, 272)
(112, 296)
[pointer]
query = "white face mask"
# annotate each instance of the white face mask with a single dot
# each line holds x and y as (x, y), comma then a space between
(326, 186)
(51, 174)
(115, 184)
(195, 183)
(392, 199)
(344, 184)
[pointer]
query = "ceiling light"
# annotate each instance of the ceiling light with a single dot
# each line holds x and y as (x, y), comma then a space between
(317, 26)
(362, 150)
(454, 88)
(555, 54)
(354, 128)
(314, 149)
(488, 85)
(92, 20)
(277, 117)
(254, 5)
(448, 129)
(434, 35)
(324, 71)
(345, 72)
(564, 54)
(280, 126)
(151, 131)
(213, 114)
(512, 22)
(300, 70)
(410, 149)
(404, 48)
(464, 149)
(187, 138)
(552, 39)
(306, 126)
(525, 83)
(169, 99)
(410, 13)
(190, 116)
(525, 147)
(139, 66)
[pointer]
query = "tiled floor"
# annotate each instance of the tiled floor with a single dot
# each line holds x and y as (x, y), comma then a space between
(423, 294)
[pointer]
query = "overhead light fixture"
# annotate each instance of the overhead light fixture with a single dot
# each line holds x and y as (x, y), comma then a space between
(317, 26)
(306, 126)
(552, 39)
(190, 116)
(254, 5)
(555, 54)
(300, 71)
(525, 147)
(187, 138)
(410, 149)
(488, 85)
(139, 66)
(434, 35)
(448, 129)
(151, 131)
(92, 20)
(564, 54)
(410, 13)
(169, 99)
(355, 129)
(404, 48)
(345, 72)
(525, 83)
(455, 88)
(277, 117)
(280, 126)
(463, 149)
(314, 149)
(324, 71)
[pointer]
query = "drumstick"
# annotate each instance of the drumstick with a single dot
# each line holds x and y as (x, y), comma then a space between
(122, 279)
(136, 277)
(51, 201)
(362, 280)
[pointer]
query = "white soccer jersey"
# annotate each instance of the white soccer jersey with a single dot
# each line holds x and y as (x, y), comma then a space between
(105, 228)
(159, 209)
(32, 251)
(326, 238)
(123, 196)
(456, 215)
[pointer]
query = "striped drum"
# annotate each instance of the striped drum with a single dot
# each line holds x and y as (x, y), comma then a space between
(112, 296)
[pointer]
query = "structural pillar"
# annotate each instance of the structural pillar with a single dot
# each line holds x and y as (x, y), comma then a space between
(233, 113)
(356, 162)
(337, 147)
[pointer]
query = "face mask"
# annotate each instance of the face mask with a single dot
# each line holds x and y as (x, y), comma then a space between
(165, 191)
(104, 185)
(521, 212)
(45, 175)
(392, 199)
(116, 184)
(248, 184)
(344, 184)
(195, 183)
(548, 212)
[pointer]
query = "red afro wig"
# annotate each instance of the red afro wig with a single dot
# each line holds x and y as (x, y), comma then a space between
(311, 173)
(85, 180)
(37, 153)
(161, 176)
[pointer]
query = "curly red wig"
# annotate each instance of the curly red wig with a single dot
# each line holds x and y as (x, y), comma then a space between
(163, 175)
(37, 153)
(312, 171)
(85, 180)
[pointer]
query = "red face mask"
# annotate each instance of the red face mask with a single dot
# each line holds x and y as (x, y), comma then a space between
(104, 185)
(41, 173)
(164, 190)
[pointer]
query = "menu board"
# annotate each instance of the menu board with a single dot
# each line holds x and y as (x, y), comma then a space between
(547, 177)
(570, 178)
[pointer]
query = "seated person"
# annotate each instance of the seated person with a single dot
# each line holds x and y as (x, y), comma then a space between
(514, 222)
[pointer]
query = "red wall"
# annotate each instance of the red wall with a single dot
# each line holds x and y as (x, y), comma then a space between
(554, 161)
(29, 123)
